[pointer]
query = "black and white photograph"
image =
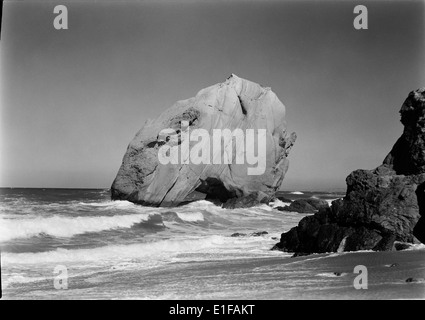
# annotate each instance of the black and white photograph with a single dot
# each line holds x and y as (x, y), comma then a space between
(231, 151)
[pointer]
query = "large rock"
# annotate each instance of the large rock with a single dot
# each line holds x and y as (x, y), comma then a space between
(408, 154)
(234, 104)
(307, 205)
(254, 199)
(381, 206)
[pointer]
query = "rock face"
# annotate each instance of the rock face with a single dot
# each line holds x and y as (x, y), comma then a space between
(234, 104)
(381, 206)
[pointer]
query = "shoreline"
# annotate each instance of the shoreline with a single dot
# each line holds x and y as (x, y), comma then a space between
(317, 277)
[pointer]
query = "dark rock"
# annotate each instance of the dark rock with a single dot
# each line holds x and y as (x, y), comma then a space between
(394, 265)
(420, 280)
(338, 274)
(407, 157)
(381, 206)
(254, 234)
(317, 203)
(330, 238)
(283, 199)
(399, 246)
(419, 229)
(386, 243)
(325, 216)
(277, 247)
(254, 199)
(362, 239)
(308, 205)
(289, 241)
(259, 233)
(300, 206)
(237, 234)
(300, 254)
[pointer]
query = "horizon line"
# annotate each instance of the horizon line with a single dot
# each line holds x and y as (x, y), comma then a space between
(108, 188)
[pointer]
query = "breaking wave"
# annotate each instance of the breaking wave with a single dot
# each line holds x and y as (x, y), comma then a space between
(65, 226)
(70, 219)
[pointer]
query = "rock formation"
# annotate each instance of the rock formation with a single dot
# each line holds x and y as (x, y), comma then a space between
(234, 104)
(307, 205)
(381, 206)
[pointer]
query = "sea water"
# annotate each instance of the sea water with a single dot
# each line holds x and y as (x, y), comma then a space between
(120, 250)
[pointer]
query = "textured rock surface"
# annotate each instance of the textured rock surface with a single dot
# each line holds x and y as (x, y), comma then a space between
(381, 206)
(235, 103)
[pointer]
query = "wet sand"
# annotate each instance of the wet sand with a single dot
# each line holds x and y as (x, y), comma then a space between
(319, 276)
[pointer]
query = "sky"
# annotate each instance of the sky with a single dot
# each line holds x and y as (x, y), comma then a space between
(72, 100)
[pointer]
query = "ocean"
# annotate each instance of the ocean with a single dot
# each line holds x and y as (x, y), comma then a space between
(78, 244)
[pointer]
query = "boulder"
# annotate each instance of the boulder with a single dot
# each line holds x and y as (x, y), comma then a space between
(300, 206)
(252, 200)
(419, 280)
(238, 234)
(402, 245)
(381, 206)
(308, 205)
(259, 233)
(317, 203)
(283, 199)
(237, 105)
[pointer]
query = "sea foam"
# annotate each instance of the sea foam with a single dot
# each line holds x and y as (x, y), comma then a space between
(60, 226)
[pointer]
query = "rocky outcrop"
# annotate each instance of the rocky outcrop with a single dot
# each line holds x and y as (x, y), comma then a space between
(308, 205)
(254, 199)
(381, 206)
(407, 157)
(254, 234)
(284, 199)
(234, 104)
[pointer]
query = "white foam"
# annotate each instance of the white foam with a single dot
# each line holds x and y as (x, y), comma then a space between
(152, 252)
(111, 204)
(297, 192)
(115, 252)
(60, 226)
(190, 216)
(19, 278)
(264, 207)
(200, 205)
(279, 203)
(35, 209)
(329, 201)
(417, 246)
